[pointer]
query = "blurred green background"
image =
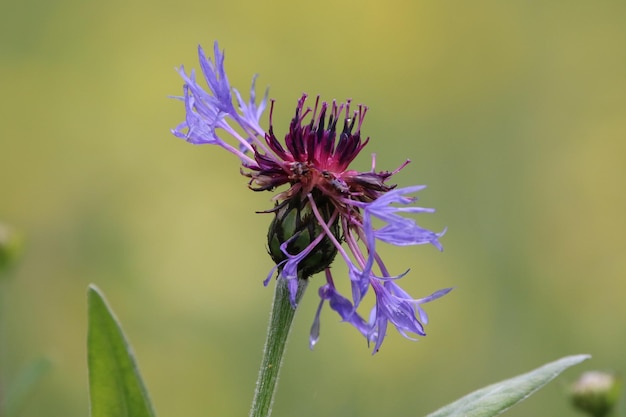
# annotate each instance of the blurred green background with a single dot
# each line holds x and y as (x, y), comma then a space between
(512, 112)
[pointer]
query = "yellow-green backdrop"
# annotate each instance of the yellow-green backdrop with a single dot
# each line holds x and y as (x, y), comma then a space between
(513, 113)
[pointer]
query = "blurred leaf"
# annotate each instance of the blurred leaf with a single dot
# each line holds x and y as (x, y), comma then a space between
(115, 386)
(495, 399)
(23, 385)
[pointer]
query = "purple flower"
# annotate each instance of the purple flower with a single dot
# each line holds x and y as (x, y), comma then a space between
(327, 209)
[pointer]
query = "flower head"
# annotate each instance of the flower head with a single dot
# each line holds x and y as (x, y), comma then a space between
(596, 393)
(326, 209)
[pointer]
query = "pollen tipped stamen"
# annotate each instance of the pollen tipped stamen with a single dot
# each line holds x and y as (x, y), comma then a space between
(362, 111)
(332, 125)
(301, 112)
(317, 123)
(348, 124)
(271, 115)
(317, 102)
(395, 171)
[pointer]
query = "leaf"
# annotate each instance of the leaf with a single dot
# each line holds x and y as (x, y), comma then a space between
(115, 386)
(495, 399)
(23, 385)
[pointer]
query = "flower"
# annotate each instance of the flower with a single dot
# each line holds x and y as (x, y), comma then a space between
(327, 209)
(596, 393)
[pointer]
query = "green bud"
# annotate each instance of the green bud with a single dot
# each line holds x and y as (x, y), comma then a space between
(596, 393)
(296, 218)
(10, 245)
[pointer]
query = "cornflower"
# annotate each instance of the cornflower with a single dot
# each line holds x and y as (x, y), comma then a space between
(327, 208)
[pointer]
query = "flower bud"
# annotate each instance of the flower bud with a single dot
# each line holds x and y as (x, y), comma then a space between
(295, 221)
(10, 245)
(596, 393)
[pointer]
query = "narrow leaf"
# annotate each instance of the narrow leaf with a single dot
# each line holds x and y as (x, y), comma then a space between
(22, 387)
(115, 386)
(495, 399)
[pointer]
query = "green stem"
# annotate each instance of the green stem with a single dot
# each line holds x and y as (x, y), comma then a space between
(281, 318)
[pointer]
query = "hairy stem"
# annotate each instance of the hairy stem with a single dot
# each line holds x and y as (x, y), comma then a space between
(278, 330)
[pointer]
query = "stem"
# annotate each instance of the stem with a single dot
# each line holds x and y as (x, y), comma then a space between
(281, 319)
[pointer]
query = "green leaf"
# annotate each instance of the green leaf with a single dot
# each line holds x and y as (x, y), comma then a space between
(115, 386)
(23, 385)
(495, 399)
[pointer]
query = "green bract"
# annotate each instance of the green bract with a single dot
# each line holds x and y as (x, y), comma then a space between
(294, 221)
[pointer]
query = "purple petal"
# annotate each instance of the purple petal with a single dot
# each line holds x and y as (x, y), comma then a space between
(216, 78)
(341, 306)
(251, 114)
(207, 111)
(314, 335)
(399, 230)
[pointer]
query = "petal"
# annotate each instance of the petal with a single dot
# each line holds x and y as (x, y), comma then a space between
(314, 335)
(216, 78)
(399, 230)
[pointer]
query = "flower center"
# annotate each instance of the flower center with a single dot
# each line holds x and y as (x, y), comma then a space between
(310, 177)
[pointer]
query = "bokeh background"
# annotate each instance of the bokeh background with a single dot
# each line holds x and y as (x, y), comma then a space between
(513, 114)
